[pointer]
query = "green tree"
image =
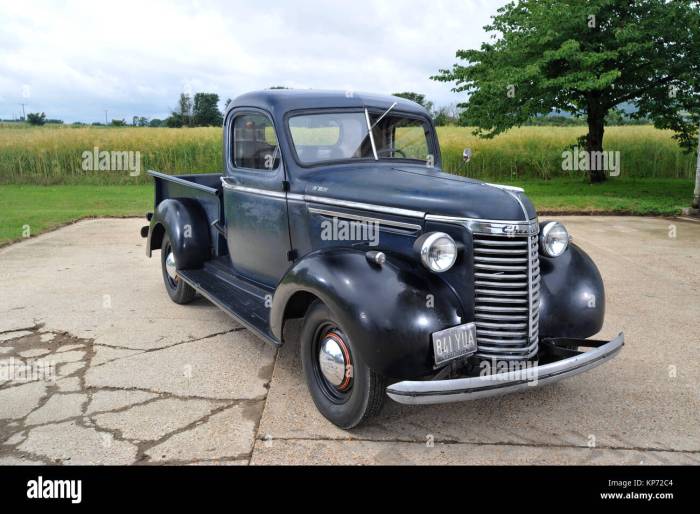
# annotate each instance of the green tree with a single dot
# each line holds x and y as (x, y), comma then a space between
(184, 110)
(205, 110)
(36, 118)
(585, 58)
(174, 120)
(118, 123)
(446, 115)
(416, 97)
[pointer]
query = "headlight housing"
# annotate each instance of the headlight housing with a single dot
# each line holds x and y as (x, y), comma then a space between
(554, 239)
(438, 251)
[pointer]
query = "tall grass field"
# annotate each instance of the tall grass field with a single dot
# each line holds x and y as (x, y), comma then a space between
(52, 155)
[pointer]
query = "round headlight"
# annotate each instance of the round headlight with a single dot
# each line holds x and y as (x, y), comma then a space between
(554, 239)
(438, 251)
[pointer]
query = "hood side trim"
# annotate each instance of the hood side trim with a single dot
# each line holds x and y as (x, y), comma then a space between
(324, 200)
(517, 199)
(512, 191)
(365, 206)
(506, 188)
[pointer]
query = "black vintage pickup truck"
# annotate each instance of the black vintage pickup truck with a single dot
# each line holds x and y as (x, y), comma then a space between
(412, 283)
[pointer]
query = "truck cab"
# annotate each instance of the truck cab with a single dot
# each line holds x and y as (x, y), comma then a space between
(410, 282)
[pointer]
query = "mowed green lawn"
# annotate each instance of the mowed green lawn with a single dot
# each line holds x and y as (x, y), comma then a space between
(42, 208)
(661, 197)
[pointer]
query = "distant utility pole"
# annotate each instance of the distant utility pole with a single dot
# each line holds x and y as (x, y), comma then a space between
(696, 195)
(24, 116)
(105, 116)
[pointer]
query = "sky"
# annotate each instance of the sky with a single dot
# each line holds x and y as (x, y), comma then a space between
(74, 60)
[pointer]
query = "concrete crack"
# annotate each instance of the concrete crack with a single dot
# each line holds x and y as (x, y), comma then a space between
(141, 351)
(484, 443)
(143, 447)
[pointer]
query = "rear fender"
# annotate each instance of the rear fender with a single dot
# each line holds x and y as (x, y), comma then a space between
(187, 227)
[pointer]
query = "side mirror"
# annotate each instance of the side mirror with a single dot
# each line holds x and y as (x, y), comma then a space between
(467, 154)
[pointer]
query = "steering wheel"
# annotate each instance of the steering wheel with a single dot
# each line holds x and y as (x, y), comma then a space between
(391, 149)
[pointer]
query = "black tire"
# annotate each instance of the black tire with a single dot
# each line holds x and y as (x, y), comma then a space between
(362, 397)
(178, 290)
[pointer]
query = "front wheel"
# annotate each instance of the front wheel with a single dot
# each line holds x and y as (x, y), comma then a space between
(178, 290)
(343, 388)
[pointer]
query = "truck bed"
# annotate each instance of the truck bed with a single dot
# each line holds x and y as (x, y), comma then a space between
(206, 188)
(217, 280)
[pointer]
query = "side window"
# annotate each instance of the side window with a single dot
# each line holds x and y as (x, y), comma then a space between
(409, 139)
(254, 143)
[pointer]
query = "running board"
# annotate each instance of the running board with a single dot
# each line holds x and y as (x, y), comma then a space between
(242, 301)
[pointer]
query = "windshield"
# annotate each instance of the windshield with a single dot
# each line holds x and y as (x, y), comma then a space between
(339, 136)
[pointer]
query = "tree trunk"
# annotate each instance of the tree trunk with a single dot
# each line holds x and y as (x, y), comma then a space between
(594, 140)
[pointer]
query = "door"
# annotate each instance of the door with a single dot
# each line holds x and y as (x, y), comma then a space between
(255, 201)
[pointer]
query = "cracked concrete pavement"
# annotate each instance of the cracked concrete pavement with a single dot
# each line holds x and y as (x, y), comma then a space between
(98, 366)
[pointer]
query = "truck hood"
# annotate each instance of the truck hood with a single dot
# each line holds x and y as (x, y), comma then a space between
(417, 188)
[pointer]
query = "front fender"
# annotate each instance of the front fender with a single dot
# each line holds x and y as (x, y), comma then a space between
(572, 295)
(389, 311)
(185, 223)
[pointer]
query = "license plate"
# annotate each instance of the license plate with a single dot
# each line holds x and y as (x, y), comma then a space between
(454, 342)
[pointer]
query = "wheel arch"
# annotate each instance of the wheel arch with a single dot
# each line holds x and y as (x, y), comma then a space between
(155, 237)
(186, 225)
(384, 309)
(296, 307)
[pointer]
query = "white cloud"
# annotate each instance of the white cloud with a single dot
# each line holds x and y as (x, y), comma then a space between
(80, 58)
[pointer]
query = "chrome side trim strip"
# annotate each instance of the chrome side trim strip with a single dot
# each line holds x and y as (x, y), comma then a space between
(295, 197)
(345, 215)
(444, 391)
(326, 201)
(365, 206)
(253, 190)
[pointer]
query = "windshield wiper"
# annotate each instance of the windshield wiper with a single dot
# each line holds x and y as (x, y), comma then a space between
(371, 127)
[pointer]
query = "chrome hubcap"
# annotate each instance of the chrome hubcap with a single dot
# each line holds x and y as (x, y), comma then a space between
(170, 266)
(334, 361)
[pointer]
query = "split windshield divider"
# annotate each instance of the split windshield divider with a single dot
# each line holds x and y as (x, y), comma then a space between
(371, 136)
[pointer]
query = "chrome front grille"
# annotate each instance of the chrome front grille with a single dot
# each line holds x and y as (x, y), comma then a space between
(506, 295)
(534, 273)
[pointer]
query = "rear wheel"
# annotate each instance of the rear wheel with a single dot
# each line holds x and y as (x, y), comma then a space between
(345, 390)
(178, 290)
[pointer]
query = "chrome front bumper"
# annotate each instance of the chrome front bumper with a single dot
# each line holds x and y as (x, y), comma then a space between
(570, 362)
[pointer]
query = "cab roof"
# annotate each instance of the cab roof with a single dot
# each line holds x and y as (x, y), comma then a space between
(280, 101)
